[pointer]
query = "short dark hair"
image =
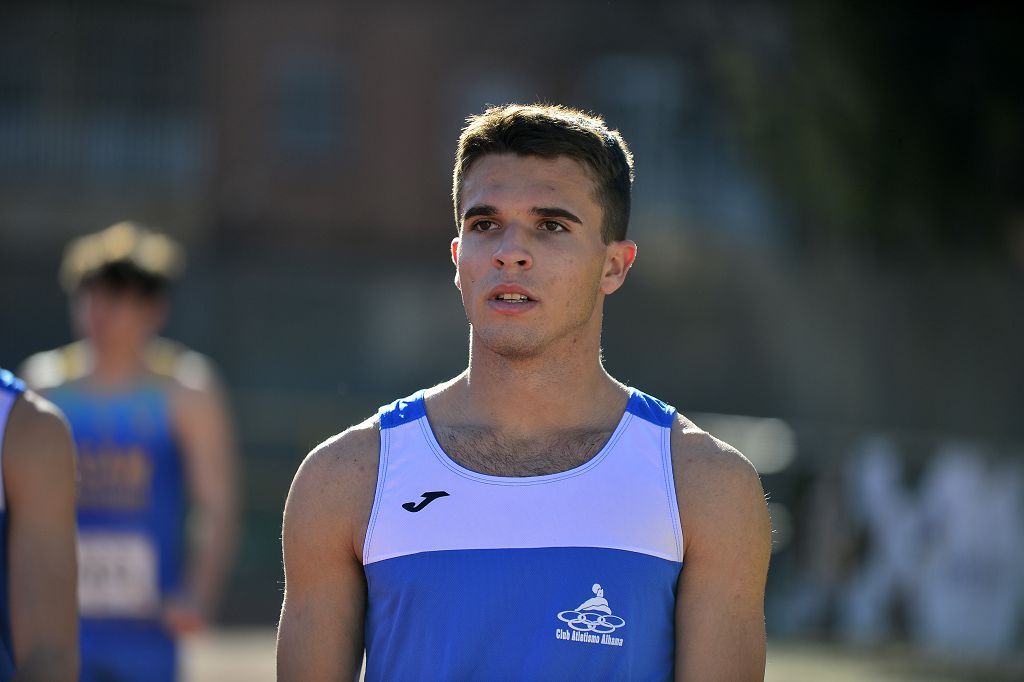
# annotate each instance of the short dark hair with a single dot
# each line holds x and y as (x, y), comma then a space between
(549, 131)
(124, 277)
(125, 257)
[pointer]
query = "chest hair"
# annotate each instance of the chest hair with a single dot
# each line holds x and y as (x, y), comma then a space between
(484, 451)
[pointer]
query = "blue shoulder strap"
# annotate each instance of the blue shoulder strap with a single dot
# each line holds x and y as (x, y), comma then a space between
(402, 411)
(10, 382)
(650, 408)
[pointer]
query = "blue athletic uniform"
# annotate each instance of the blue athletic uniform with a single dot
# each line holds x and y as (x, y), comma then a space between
(566, 576)
(130, 524)
(10, 388)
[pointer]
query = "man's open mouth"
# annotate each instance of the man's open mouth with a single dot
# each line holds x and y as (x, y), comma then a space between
(512, 298)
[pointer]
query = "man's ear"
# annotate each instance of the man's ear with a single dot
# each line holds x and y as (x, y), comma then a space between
(455, 260)
(619, 258)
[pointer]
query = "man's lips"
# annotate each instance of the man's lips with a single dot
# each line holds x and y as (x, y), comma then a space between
(512, 294)
(511, 299)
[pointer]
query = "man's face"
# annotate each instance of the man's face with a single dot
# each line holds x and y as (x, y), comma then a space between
(116, 318)
(530, 261)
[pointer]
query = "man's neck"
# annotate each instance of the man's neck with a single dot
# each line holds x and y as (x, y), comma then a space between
(550, 393)
(116, 367)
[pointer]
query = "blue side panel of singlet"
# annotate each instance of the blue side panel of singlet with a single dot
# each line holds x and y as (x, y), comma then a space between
(10, 386)
(107, 429)
(491, 612)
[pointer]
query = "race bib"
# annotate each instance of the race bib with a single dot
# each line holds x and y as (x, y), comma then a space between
(117, 576)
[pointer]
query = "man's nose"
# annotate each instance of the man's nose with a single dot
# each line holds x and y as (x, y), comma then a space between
(511, 250)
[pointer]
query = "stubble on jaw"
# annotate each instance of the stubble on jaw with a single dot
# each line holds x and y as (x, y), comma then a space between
(510, 345)
(529, 344)
(513, 340)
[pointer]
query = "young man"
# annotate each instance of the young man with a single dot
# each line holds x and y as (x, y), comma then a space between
(38, 623)
(151, 428)
(529, 518)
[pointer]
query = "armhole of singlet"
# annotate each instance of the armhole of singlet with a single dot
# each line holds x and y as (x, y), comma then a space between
(382, 468)
(670, 486)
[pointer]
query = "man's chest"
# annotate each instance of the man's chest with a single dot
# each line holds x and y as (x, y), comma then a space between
(488, 452)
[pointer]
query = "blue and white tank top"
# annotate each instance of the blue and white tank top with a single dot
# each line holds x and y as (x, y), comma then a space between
(10, 388)
(566, 576)
(131, 495)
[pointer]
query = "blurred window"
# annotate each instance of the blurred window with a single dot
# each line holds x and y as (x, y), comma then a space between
(104, 95)
(310, 110)
(470, 89)
(690, 173)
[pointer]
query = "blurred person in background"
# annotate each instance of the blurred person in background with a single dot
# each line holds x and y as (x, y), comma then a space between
(528, 519)
(38, 622)
(154, 444)
(968, 584)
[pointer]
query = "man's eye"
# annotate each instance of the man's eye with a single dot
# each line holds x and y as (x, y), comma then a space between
(484, 225)
(552, 226)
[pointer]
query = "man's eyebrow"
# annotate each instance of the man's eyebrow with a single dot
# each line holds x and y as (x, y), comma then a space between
(541, 212)
(478, 210)
(556, 213)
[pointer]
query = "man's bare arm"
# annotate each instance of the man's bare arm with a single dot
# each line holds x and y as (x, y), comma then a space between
(320, 636)
(39, 482)
(203, 425)
(720, 632)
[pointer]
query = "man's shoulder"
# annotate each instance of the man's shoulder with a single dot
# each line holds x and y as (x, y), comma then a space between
(181, 367)
(715, 484)
(334, 486)
(354, 453)
(695, 452)
(50, 369)
(37, 434)
(37, 414)
(189, 380)
(348, 453)
(342, 470)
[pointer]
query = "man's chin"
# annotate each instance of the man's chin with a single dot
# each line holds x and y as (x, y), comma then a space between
(511, 346)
